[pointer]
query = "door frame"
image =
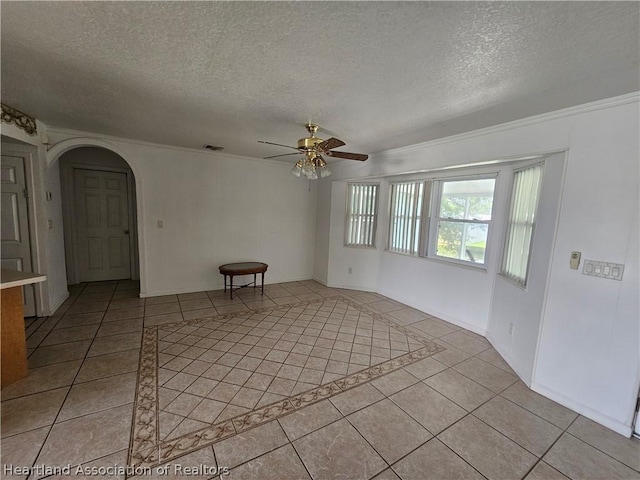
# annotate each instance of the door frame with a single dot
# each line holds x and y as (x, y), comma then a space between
(67, 170)
(34, 214)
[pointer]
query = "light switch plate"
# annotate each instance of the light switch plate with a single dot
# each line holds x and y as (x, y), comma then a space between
(595, 268)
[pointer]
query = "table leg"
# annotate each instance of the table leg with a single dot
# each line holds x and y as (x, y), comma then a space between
(262, 283)
(231, 285)
(254, 281)
(14, 345)
(225, 282)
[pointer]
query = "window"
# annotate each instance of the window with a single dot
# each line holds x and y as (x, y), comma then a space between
(521, 223)
(362, 213)
(405, 216)
(462, 220)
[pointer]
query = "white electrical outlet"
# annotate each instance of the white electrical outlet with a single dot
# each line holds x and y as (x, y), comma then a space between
(511, 329)
(349, 270)
(160, 224)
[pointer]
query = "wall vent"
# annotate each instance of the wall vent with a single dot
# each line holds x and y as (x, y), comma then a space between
(213, 148)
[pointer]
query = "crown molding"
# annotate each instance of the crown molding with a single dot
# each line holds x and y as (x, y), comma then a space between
(628, 98)
(70, 133)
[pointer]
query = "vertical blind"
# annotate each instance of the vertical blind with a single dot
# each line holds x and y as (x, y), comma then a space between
(521, 225)
(404, 217)
(362, 210)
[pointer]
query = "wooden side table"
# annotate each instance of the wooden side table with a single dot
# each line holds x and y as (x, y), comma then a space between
(242, 268)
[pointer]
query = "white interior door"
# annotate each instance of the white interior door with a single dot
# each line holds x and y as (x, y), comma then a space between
(101, 225)
(16, 246)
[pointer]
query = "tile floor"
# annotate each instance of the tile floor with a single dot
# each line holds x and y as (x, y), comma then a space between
(305, 382)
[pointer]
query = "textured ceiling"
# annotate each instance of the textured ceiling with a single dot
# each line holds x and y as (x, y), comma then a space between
(375, 74)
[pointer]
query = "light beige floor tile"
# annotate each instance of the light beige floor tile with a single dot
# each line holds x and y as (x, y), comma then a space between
(338, 451)
(200, 313)
(356, 398)
(80, 320)
(120, 326)
(71, 334)
(543, 407)
(282, 463)
(625, 450)
(250, 444)
(115, 459)
(124, 314)
(236, 307)
(161, 309)
(309, 419)
(33, 411)
(106, 365)
(115, 343)
(451, 356)
(389, 429)
(434, 460)
(458, 388)
(489, 452)
(521, 426)
(64, 352)
(466, 343)
(393, 382)
(543, 471)
(183, 297)
(195, 304)
(161, 299)
(87, 438)
(187, 426)
(494, 378)
(576, 459)
(42, 379)
(88, 307)
(434, 411)
(494, 358)
(207, 411)
(129, 302)
(198, 465)
(407, 316)
(387, 474)
(434, 327)
(425, 368)
(97, 395)
(163, 319)
(20, 451)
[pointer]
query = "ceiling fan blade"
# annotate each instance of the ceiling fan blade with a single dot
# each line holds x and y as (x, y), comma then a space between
(350, 156)
(330, 143)
(277, 144)
(283, 155)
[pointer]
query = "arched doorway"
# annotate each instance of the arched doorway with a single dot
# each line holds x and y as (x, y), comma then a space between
(99, 215)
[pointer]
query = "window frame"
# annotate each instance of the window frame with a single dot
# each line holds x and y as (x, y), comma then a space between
(349, 214)
(434, 219)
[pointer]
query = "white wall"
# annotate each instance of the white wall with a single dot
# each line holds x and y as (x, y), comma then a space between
(215, 209)
(588, 350)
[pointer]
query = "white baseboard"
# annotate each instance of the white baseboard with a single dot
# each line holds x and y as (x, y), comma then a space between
(55, 304)
(507, 358)
(588, 412)
(434, 313)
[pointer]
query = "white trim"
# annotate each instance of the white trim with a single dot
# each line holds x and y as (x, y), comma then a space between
(543, 117)
(582, 409)
(352, 287)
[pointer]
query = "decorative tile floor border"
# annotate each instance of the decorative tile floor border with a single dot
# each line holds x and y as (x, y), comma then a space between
(146, 449)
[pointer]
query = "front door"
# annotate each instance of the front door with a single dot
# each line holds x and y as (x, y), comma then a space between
(101, 221)
(16, 246)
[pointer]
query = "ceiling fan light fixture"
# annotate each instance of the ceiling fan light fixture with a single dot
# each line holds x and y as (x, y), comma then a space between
(296, 171)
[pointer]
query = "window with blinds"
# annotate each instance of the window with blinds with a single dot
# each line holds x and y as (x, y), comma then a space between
(521, 223)
(405, 214)
(362, 214)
